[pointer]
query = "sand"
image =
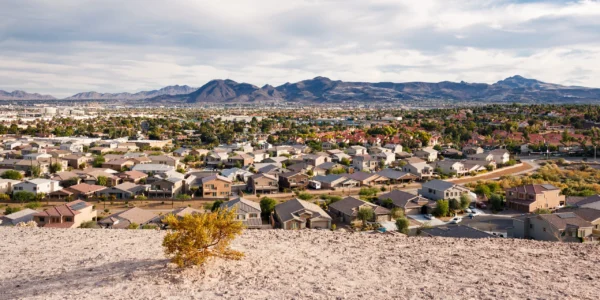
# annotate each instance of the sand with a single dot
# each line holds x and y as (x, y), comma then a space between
(129, 264)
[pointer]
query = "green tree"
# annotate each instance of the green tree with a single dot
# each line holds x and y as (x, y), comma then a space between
(35, 171)
(483, 190)
(23, 196)
(442, 208)
(102, 180)
(33, 205)
(496, 202)
(465, 201)
(454, 204)
(99, 161)
(267, 205)
(55, 168)
(305, 196)
(365, 214)
(133, 225)
(216, 205)
(9, 210)
(402, 225)
(12, 174)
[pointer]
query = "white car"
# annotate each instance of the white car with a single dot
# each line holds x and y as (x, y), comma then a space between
(468, 210)
(429, 217)
(455, 220)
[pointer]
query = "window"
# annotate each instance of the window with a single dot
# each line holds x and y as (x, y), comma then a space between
(544, 229)
(253, 216)
(530, 226)
(42, 219)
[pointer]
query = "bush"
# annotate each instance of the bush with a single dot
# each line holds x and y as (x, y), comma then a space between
(9, 210)
(454, 204)
(23, 196)
(442, 208)
(542, 211)
(368, 192)
(4, 197)
(195, 238)
(365, 214)
(267, 205)
(33, 205)
(402, 224)
(496, 202)
(88, 224)
(133, 226)
(12, 174)
(305, 196)
(149, 226)
(333, 227)
(216, 205)
(465, 201)
(397, 213)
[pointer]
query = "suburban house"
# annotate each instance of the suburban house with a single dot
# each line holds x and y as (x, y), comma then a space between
(501, 156)
(396, 148)
(165, 160)
(37, 185)
(84, 190)
(167, 187)
(484, 156)
(240, 160)
(123, 219)
(248, 212)
(528, 198)
(357, 150)
(315, 160)
(300, 214)
(292, 180)
(126, 190)
(133, 176)
(69, 215)
(332, 181)
(15, 218)
(6, 185)
(411, 204)
(152, 168)
(451, 167)
(236, 174)
(215, 186)
(263, 184)
(365, 163)
(418, 167)
(427, 154)
(470, 150)
(564, 227)
(346, 210)
(439, 189)
(590, 202)
(394, 176)
(368, 179)
(119, 164)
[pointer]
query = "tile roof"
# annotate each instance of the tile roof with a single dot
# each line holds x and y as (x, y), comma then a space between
(533, 188)
(289, 210)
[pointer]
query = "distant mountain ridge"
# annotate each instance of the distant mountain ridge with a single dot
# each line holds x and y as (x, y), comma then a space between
(20, 95)
(324, 90)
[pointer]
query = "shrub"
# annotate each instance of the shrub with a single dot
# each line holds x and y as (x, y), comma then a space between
(23, 196)
(88, 224)
(9, 210)
(454, 204)
(367, 192)
(267, 205)
(33, 205)
(402, 224)
(542, 211)
(397, 213)
(133, 226)
(216, 205)
(4, 197)
(465, 201)
(442, 208)
(496, 202)
(333, 227)
(305, 196)
(12, 174)
(195, 238)
(365, 214)
(149, 226)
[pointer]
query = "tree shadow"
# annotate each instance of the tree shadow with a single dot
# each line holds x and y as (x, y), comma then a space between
(90, 276)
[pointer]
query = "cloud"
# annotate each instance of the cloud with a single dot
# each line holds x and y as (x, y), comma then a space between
(62, 47)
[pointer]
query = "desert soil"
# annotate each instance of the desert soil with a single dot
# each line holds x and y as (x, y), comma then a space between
(129, 264)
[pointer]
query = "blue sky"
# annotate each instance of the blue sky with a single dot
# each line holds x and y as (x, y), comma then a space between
(63, 47)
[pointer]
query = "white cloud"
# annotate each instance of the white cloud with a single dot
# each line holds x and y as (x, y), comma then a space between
(64, 47)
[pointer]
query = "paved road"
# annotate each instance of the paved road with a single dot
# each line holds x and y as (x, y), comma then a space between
(489, 223)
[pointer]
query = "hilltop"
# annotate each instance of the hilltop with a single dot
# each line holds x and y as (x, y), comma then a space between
(129, 264)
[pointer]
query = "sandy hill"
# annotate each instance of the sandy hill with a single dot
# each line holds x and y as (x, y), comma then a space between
(129, 264)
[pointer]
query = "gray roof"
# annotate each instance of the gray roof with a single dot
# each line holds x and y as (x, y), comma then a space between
(404, 199)
(392, 174)
(289, 210)
(588, 200)
(21, 213)
(457, 231)
(437, 184)
(349, 206)
(328, 178)
(243, 205)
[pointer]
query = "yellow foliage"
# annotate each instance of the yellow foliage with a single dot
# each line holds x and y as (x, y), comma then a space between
(195, 238)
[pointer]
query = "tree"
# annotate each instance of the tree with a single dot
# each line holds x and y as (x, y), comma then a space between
(33, 205)
(55, 168)
(35, 171)
(9, 210)
(542, 211)
(465, 201)
(23, 196)
(454, 204)
(216, 205)
(198, 237)
(365, 214)
(387, 203)
(345, 161)
(305, 196)
(442, 208)
(133, 226)
(483, 190)
(267, 205)
(12, 174)
(70, 182)
(99, 161)
(102, 180)
(402, 224)
(496, 202)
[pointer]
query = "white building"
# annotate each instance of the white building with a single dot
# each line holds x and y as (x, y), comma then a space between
(38, 185)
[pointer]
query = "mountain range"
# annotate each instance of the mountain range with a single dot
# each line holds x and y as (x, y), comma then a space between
(325, 90)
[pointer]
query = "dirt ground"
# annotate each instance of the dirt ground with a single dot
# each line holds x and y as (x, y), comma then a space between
(497, 174)
(309, 264)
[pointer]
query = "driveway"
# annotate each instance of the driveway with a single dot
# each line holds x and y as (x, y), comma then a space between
(421, 219)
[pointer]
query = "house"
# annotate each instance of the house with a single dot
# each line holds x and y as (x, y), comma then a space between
(365, 163)
(168, 187)
(84, 190)
(346, 210)
(439, 189)
(263, 184)
(394, 176)
(328, 167)
(455, 231)
(76, 161)
(6, 185)
(396, 148)
(15, 218)
(484, 156)
(181, 152)
(126, 190)
(236, 174)
(451, 167)
(123, 219)
(367, 179)
(315, 160)
(247, 211)
(69, 215)
(501, 156)
(589, 214)
(332, 181)
(418, 167)
(165, 160)
(470, 150)
(133, 176)
(179, 213)
(589, 202)
(528, 198)
(427, 154)
(385, 158)
(451, 152)
(293, 180)
(240, 160)
(564, 227)
(152, 168)
(357, 150)
(300, 214)
(378, 149)
(411, 204)
(215, 187)
(478, 165)
(37, 185)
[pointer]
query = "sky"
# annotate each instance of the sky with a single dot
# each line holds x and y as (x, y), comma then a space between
(61, 47)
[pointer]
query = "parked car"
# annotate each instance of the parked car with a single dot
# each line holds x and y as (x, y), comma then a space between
(468, 210)
(455, 220)
(429, 217)
(481, 205)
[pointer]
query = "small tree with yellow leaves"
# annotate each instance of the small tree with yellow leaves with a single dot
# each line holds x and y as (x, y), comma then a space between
(195, 238)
